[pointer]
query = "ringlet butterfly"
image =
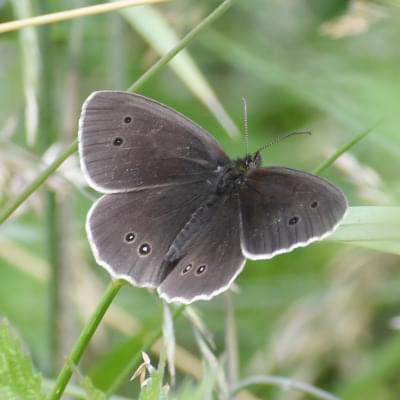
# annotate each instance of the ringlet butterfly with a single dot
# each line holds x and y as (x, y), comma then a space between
(177, 214)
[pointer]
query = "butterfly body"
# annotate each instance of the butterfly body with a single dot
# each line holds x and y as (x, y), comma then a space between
(177, 214)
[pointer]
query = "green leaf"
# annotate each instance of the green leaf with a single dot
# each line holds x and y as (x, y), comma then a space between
(373, 227)
(17, 379)
(169, 339)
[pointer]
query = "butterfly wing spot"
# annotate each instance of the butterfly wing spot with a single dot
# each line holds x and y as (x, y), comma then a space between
(186, 269)
(314, 204)
(144, 249)
(294, 220)
(130, 237)
(118, 141)
(128, 119)
(201, 269)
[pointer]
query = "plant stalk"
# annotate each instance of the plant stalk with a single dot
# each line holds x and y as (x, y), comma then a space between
(328, 162)
(181, 45)
(84, 338)
(72, 14)
(39, 181)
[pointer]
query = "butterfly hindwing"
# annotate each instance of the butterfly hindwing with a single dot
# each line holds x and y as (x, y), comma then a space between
(212, 257)
(282, 209)
(130, 233)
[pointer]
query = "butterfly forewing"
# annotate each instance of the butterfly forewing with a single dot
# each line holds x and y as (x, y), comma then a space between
(129, 142)
(282, 209)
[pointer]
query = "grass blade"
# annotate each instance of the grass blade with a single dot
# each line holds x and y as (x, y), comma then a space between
(71, 14)
(7, 212)
(347, 146)
(373, 227)
(151, 24)
(30, 65)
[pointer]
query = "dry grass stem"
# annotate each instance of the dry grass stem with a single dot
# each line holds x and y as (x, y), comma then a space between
(71, 14)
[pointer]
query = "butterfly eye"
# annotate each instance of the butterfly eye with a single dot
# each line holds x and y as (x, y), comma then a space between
(314, 204)
(130, 237)
(117, 141)
(144, 249)
(187, 268)
(293, 220)
(127, 119)
(201, 269)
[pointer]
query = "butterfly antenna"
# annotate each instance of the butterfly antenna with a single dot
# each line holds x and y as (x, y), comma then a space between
(246, 127)
(280, 138)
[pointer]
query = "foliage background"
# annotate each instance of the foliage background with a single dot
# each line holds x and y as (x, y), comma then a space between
(327, 314)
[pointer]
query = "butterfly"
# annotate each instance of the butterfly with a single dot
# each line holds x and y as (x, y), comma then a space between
(177, 214)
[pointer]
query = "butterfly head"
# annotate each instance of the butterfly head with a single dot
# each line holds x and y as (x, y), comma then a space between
(251, 161)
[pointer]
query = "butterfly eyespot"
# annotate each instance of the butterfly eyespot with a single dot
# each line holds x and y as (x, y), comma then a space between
(127, 119)
(130, 237)
(201, 269)
(314, 204)
(294, 220)
(186, 269)
(117, 141)
(144, 249)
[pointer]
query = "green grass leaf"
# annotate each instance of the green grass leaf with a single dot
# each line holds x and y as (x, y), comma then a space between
(17, 378)
(347, 146)
(153, 26)
(373, 227)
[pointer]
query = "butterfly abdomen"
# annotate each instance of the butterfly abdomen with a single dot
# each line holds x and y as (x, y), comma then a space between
(189, 230)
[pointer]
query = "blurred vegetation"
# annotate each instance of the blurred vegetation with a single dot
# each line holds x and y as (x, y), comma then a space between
(327, 314)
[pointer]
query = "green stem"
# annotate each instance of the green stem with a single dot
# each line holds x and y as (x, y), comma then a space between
(54, 257)
(48, 135)
(328, 162)
(38, 181)
(181, 45)
(83, 340)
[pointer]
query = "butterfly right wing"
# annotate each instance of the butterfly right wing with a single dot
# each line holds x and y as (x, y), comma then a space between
(130, 233)
(129, 142)
(283, 208)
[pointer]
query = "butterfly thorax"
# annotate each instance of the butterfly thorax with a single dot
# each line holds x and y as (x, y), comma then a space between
(234, 174)
(230, 178)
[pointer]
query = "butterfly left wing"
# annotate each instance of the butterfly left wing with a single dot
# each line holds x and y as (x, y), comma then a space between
(130, 233)
(212, 258)
(128, 142)
(283, 208)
